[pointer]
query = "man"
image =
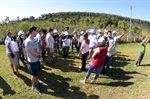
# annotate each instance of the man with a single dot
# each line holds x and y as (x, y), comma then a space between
(66, 44)
(111, 50)
(49, 45)
(33, 54)
(39, 40)
(56, 41)
(74, 41)
(9, 51)
(142, 50)
(93, 42)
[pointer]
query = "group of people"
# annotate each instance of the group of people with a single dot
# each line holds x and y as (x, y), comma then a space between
(96, 46)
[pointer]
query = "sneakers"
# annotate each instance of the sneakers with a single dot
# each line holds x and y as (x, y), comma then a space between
(35, 89)
(40, 82)
(93, 82)
(82, 81)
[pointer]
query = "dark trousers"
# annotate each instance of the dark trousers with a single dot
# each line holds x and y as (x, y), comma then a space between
(84, 58)
(56, 48)
(78, 46)
(107, 63)
(65, 51)
(43, 53)
(72, 46)
(138, 62)
(21, 56)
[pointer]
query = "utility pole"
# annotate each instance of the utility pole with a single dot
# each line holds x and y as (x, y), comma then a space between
(130, 22)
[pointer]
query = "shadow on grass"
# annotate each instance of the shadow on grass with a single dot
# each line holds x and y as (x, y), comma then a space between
(93, 97)
(5, 87)
(116, 84)
(145, 64)
(121, 76)
(23, 68)
(65, 65)
(58, 86)
(26, 80)
(120, 60)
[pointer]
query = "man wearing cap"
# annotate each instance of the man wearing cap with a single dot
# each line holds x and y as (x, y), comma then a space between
(31, 47)
(74, 40)
(66, 44)
(9, 50)
(93, 42)
(20, 40)
(101, 36)
(56, 41)
(111, 50)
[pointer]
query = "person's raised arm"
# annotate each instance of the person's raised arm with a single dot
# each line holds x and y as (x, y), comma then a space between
(145, 40)
(120, 36)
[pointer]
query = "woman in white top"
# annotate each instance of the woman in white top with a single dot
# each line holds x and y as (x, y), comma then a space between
(84, 50)
(15, 48)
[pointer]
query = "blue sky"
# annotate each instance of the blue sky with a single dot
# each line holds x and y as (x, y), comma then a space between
(27, 8)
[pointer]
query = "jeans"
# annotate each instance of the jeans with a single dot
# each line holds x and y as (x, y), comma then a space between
(21, 56)
(91, 68)
(72, 46)
(65, 51)
(107, 63)
(138, 62)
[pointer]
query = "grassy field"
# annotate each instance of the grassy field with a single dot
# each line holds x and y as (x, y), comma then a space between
(62, 79)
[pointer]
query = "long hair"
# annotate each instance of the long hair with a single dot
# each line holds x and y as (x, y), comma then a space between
(85, 38)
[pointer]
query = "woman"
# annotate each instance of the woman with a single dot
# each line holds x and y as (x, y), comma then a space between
(16, 53)
(84, 50)
(97, 61)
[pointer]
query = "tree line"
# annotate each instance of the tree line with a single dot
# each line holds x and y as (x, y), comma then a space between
(78, 21)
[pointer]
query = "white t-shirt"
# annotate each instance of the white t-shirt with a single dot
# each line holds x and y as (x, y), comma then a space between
(7, 41)
(112, 46)
(93, 41)
(81, 38)
(15, 46)
(49, 41)
(85, 47)
(67, 42)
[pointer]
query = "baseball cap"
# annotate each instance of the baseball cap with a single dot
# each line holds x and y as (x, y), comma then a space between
(114, 32)
(105, 31)
(99, 30)
(87, 30)
(92, 31)
(20, 33)
(82, 32)
(55, 31)
(74, 31)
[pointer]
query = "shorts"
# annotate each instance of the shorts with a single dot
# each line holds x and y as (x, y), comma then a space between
(13, 61)
(34, 68)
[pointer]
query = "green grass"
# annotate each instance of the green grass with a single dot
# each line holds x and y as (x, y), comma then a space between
(62, 79)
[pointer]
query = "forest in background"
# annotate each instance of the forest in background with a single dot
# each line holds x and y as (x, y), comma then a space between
(79, 21)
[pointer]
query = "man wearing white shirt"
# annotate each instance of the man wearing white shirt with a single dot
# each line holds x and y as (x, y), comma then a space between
(93, 42)
(66, 44)
(9, 50)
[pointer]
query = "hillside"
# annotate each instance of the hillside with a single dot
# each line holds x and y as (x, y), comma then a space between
(78, 21)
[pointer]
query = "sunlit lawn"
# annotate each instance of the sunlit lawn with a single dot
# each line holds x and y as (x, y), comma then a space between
(62, 78)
